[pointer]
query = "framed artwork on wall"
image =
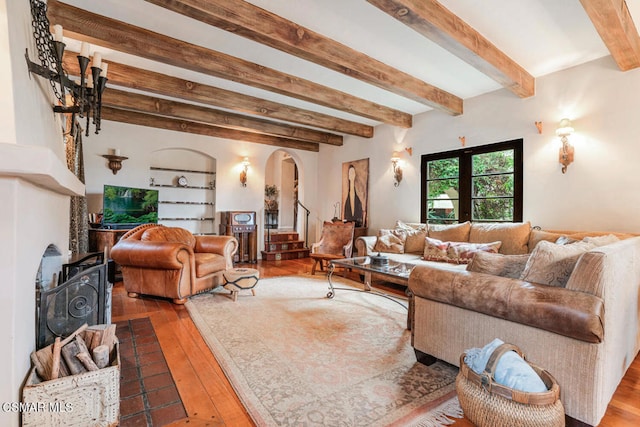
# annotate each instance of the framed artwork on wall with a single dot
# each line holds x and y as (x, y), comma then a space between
(355, 191)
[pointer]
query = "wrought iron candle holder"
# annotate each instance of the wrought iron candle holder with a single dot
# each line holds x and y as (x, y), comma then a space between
(86, 94)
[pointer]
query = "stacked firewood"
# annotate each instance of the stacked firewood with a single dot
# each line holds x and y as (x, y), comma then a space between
(87, 349)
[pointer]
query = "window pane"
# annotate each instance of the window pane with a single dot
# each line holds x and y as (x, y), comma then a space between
(493, 186)
(493, 209)
(493, 162)
(439, 187)
(445, 168)
(442, 210)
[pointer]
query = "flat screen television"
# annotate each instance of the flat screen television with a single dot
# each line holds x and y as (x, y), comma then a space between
(128, 207)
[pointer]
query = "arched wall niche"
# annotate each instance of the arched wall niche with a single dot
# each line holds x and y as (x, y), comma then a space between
(186, 182)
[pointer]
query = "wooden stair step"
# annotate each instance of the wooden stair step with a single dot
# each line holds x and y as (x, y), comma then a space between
(283, 246)
(284, 255)
(283, 237)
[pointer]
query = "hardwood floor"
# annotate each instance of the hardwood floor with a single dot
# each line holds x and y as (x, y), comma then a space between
(209, 399)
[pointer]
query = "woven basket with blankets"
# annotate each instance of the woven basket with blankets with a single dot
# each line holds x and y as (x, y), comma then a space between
(497, 387)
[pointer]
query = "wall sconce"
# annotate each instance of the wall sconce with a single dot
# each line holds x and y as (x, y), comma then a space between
(115, 160)
(86, 94)
(397, 170)
(566, 151)
(243, 173)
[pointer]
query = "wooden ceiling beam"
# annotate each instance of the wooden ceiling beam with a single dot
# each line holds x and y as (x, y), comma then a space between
(86, 26)
(617, 30)
(440, 25)
(174, 87)
(149, 120)
(164, 107)
(262, 26)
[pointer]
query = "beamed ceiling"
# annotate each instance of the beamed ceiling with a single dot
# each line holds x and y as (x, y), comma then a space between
(300, 73)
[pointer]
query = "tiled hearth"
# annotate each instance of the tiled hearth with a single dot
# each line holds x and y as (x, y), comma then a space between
(148, 394)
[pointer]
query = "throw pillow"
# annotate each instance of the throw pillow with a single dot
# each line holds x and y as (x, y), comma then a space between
(513, 235)
(455, 252)
(537, 236)
(415, 241)
(552, 264)
(510, 266)
(389, 243)
(601, 240)
(410, 225)
(450, 233)
(463, 252)
(435, 250)
(415, 234)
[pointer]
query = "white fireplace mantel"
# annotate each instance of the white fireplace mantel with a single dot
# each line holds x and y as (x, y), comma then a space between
(40, 166)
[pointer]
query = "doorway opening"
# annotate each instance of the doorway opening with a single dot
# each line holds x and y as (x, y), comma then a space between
(285, 217)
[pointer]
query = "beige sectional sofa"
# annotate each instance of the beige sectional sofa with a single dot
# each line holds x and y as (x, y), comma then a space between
(576, 315)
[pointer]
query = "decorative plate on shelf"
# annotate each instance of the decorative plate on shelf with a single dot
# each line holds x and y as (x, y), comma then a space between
(182, 181)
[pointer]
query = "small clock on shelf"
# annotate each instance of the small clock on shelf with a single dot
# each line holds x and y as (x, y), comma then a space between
(182, 181)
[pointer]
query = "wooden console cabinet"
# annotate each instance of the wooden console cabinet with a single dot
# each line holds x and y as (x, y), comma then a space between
(102, 240)
(99, 239)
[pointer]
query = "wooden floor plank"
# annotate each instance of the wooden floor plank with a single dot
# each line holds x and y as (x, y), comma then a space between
(214, 379)
(206, 392)
(197, 402)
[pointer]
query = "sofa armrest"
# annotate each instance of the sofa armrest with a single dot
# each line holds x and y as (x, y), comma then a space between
(365, 245)
(147, 254)
(221, 245)
(563, 311)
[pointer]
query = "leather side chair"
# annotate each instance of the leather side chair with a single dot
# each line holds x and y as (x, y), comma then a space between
(335, 242)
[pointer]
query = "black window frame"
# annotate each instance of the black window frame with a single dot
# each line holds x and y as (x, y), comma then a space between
(465, 177)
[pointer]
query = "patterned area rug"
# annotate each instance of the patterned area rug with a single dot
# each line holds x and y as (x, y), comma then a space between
(297, 358)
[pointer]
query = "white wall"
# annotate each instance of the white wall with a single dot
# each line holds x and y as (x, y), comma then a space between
(287, 195)
(34, 188)
(599, 190)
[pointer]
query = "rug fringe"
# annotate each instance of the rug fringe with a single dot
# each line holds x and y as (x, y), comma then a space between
(441, 415)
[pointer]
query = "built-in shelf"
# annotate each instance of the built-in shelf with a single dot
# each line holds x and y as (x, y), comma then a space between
(186, 219)
(187, 196)
(179, 202)
(154, 168)
(185, 186)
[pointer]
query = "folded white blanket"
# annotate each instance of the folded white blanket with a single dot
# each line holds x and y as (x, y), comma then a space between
(511, 370)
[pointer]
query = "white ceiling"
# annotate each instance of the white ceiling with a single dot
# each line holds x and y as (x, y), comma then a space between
(543, 36)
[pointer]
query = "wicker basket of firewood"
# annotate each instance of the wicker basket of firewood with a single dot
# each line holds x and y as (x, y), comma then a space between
(75, 381)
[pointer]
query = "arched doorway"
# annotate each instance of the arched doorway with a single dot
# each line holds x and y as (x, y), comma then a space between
(286, 236)
(281, 171)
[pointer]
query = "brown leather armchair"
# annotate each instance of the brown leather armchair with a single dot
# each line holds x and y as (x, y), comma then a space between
(171, 262)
